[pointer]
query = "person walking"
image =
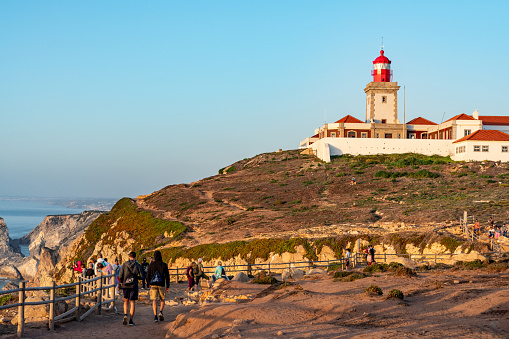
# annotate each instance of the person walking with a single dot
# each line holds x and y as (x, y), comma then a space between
(158, 280)
(116, 268)
(129, 274)
(348, 254)
(144, 267)
(199, 274)
(190, 276)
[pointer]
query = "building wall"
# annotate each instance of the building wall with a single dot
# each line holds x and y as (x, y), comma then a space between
(356, 146)
(494, 152)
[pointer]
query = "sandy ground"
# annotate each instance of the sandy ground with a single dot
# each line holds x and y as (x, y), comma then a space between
(468, 304)
(437, 304)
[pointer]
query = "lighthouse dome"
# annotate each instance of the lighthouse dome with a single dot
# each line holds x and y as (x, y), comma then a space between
(382, 59)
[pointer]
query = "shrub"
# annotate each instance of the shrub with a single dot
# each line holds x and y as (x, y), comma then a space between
(396, 294)
(373, 290)
(342, 274)
(471, 265)
(376, 268)
(353, 277)
(231, 169)
(268, 280)
(404, 272)
(5, 299)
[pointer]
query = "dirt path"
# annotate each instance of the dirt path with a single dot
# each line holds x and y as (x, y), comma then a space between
(109, 324)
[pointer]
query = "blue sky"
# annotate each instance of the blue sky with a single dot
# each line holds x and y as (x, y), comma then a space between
(120, 98)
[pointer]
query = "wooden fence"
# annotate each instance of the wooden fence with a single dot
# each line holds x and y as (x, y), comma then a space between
(98, 287)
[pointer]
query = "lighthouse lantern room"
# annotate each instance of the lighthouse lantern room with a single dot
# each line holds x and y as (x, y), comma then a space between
(382, 69)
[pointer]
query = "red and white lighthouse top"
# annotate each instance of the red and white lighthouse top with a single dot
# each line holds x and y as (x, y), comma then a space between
(382, 69)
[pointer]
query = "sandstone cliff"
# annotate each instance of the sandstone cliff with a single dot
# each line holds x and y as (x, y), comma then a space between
(53, 234)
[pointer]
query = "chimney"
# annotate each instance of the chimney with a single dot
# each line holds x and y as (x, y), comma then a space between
(476, 115)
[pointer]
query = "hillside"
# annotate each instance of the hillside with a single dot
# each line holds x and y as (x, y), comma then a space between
(287, 195)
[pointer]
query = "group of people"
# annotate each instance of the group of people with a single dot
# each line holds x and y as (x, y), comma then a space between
(494, 231)
(370, 254)
(195, 274)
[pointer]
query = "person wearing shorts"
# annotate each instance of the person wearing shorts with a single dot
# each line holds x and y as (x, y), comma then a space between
(129, 275)
(158, 280)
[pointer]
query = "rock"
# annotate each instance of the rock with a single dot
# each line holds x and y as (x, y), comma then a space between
(10, 286)
(241, 277)
(292, 273)
(36, 311)
(239, 322)
(279, 333)
(315, 271)
(171, 303)
(11, 272)
(14, 321)
(215, 336)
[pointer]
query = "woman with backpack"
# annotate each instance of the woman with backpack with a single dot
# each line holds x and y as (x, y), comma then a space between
(190, 276)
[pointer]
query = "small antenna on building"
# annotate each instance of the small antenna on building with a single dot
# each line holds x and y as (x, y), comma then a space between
(325, 114)
(382, 47)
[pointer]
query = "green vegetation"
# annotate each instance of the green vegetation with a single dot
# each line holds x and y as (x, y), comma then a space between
(422, 174)
(395, 294)
(373, 290)
(5, 299)
(138, 225)
(269, 280)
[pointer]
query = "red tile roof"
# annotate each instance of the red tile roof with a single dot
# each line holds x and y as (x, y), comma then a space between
(349, 120)
(420, 121)
(485, 135)
(315, 136)
(494, 120)
(461, 116)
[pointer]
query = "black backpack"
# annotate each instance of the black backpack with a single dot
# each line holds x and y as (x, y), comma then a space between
(129, 278)
(156, 279)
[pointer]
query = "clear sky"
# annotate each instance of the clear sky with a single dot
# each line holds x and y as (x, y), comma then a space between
(121, 98)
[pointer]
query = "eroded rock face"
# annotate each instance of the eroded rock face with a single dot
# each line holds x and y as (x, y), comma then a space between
(8, 253)
(53, 234)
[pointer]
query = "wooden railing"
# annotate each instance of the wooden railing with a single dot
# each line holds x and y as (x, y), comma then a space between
(97, 286)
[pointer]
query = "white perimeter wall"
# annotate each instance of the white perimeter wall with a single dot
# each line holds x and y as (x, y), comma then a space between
(326, 147)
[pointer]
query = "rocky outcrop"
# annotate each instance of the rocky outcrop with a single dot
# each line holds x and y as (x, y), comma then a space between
(56, 231)
(54, 234)
(9, 255)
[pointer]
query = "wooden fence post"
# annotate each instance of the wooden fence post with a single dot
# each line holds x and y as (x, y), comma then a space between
(78, 299)
(100, 295)
(177, 275)
(21, 310)
(52, 307)
(113, 295)
(269, 268)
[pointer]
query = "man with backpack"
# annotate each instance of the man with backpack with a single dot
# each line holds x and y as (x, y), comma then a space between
(158, 280)
(129, 274)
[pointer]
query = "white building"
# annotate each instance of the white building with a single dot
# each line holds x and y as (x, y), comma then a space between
(350, 135)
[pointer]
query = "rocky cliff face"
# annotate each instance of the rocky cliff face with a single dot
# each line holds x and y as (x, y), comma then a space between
(8, 254)
(54, 234)
(56, 231)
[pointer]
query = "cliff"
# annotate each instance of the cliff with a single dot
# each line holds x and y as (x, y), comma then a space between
(288, 195)
(46, 240)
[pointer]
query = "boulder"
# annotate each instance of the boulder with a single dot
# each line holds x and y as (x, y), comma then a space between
(36, 311)
(315, 271)
(292, 274)
(241, 277)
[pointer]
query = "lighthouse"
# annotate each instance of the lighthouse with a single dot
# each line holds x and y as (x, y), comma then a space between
(382, 97)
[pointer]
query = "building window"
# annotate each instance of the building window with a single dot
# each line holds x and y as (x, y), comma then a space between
(384, 99)
(388, 135)
(467, 132)
(424, 136)
(384, 121)
(399, 136)
(365, 135)
(485, 149)
(477, 148)
(460, 149)
(377, 135)
(333, 134)
(504, 149)
(351, 134)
